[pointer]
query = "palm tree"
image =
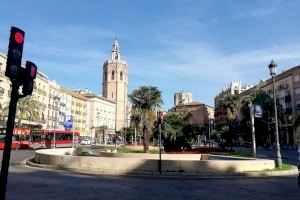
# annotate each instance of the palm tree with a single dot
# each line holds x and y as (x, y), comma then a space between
(27, 109)
(231, 104)
(145, 101)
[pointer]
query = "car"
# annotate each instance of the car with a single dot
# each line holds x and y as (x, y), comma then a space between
(85, 142)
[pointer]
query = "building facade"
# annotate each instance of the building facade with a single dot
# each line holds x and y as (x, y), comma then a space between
(287, 89)
(202, 115)
(102, 116)
(115, 84)
(78, 111)
(183, 98)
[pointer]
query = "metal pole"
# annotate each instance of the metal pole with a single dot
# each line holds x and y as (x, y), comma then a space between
(209, 131)
(159, 164)
(135, 142)
(278, 160)
(8, 138)
(73, 140)
(252, 130)
(55, 122)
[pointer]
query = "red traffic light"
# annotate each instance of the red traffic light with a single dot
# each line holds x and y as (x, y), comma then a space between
(33, 70)
(19, 38)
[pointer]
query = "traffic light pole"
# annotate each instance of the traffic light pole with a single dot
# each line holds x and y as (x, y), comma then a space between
(8, 138)
(159, 164)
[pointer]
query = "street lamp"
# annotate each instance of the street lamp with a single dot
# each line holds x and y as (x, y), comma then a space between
(278, 160)
(56, 99)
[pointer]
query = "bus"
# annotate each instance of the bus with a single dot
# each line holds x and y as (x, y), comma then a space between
(45, 138)
(20, 138)
(24, 138)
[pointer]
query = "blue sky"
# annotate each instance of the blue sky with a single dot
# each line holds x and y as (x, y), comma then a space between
(177, 45)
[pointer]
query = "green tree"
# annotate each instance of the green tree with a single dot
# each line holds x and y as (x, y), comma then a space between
(231, 105)
(27, 109)
(145, 101)
(264, 127)
(177, 131)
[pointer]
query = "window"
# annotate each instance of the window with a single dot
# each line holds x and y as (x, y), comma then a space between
(121, 76)
(113, 75)
(105, 76)
(297, 104)
(297, 78)
(297, 91)
(112, 95)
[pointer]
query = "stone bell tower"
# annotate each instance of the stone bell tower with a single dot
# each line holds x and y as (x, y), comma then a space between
(115, 84)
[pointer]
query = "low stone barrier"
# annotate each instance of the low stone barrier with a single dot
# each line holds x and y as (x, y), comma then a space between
(139, 163)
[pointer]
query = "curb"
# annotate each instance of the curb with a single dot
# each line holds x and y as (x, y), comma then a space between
(208, 175)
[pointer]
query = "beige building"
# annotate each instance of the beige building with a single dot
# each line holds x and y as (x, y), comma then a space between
(78, 111)
(202, 114)
(41, 94)
(115, 84)
(5, 83)
(183, 98)
(287, 88)
(102, 115)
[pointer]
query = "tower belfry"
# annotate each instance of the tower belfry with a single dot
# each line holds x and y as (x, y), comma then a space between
(115, 84)
(115, 51)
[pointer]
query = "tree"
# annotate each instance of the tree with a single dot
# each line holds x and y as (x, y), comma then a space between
(27, 109)
(263, 126)
(145, 101)
(231, 105)
(177, 131)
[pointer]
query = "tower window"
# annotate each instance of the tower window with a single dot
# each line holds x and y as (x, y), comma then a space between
(112, 95)
(113, 75)
(121, 76)
(105, 76)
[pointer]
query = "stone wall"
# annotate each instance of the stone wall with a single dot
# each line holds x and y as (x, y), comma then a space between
(111, 163)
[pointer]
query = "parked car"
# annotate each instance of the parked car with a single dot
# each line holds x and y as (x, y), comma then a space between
(85, 142)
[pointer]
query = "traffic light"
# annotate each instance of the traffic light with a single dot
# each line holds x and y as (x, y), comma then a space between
(14, 55)
(30, 74)
(160, 117)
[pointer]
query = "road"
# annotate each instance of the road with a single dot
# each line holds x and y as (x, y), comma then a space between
(33, 183)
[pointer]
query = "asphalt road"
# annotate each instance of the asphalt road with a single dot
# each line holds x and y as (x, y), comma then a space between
(33, 183)
(18, 156)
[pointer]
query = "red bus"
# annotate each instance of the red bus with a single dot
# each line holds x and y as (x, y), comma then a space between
(20, 138)
(44, 138)
(41, 138)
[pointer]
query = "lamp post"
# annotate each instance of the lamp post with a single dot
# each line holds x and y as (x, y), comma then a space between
(278, 160)
(250, 105)
(56, 99)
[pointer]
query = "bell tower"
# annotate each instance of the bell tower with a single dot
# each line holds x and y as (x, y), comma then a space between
(115, 84)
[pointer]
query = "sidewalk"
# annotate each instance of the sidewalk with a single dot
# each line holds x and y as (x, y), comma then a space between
(288, 156)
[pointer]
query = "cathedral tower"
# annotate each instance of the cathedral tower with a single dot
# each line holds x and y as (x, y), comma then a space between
(115, 84)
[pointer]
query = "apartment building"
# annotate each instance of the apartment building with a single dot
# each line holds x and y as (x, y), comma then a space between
(78, 111)
(287, 89)
(102, 114)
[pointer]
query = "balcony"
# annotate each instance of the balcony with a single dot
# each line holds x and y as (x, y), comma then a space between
(283, 87)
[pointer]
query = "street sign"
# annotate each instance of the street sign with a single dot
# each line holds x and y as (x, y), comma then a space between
(68, 123)
(257, 111)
